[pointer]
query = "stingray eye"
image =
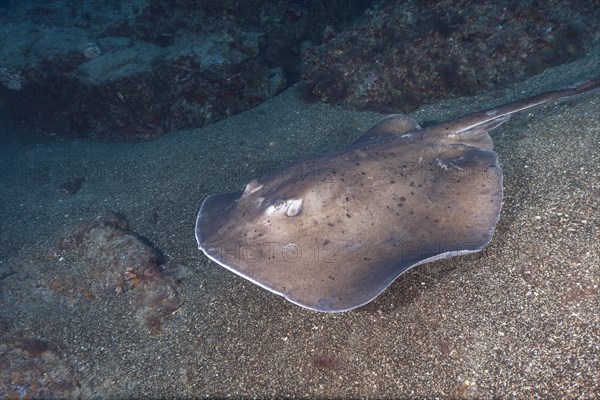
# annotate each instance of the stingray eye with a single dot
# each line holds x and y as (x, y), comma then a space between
(279, 204)
(276, 206)
(291, 207)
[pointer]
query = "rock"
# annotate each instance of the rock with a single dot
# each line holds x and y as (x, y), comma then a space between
(104, 260)
(397, 58)
(145, 67)
(31, 368)
(11, 79)
(91, 51)
(110, 83)
(276, 81)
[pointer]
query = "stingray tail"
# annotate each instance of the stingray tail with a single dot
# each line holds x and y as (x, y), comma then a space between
(483, 117)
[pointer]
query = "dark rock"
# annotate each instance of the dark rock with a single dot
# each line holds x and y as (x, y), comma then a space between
(72, 186)
(142, 68)
(399, 57)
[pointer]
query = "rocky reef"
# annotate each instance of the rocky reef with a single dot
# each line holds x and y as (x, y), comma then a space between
(398, 57)
(141, 68)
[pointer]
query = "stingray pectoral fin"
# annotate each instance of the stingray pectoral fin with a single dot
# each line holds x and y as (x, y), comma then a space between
(212, 214)
(392, 125)
(345, 246)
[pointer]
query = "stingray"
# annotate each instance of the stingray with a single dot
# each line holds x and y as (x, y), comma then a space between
(332, 232)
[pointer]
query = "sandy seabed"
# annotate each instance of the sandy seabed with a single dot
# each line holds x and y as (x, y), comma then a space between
(519, 319)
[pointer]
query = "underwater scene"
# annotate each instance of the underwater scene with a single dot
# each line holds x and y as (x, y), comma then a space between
(316, 199)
